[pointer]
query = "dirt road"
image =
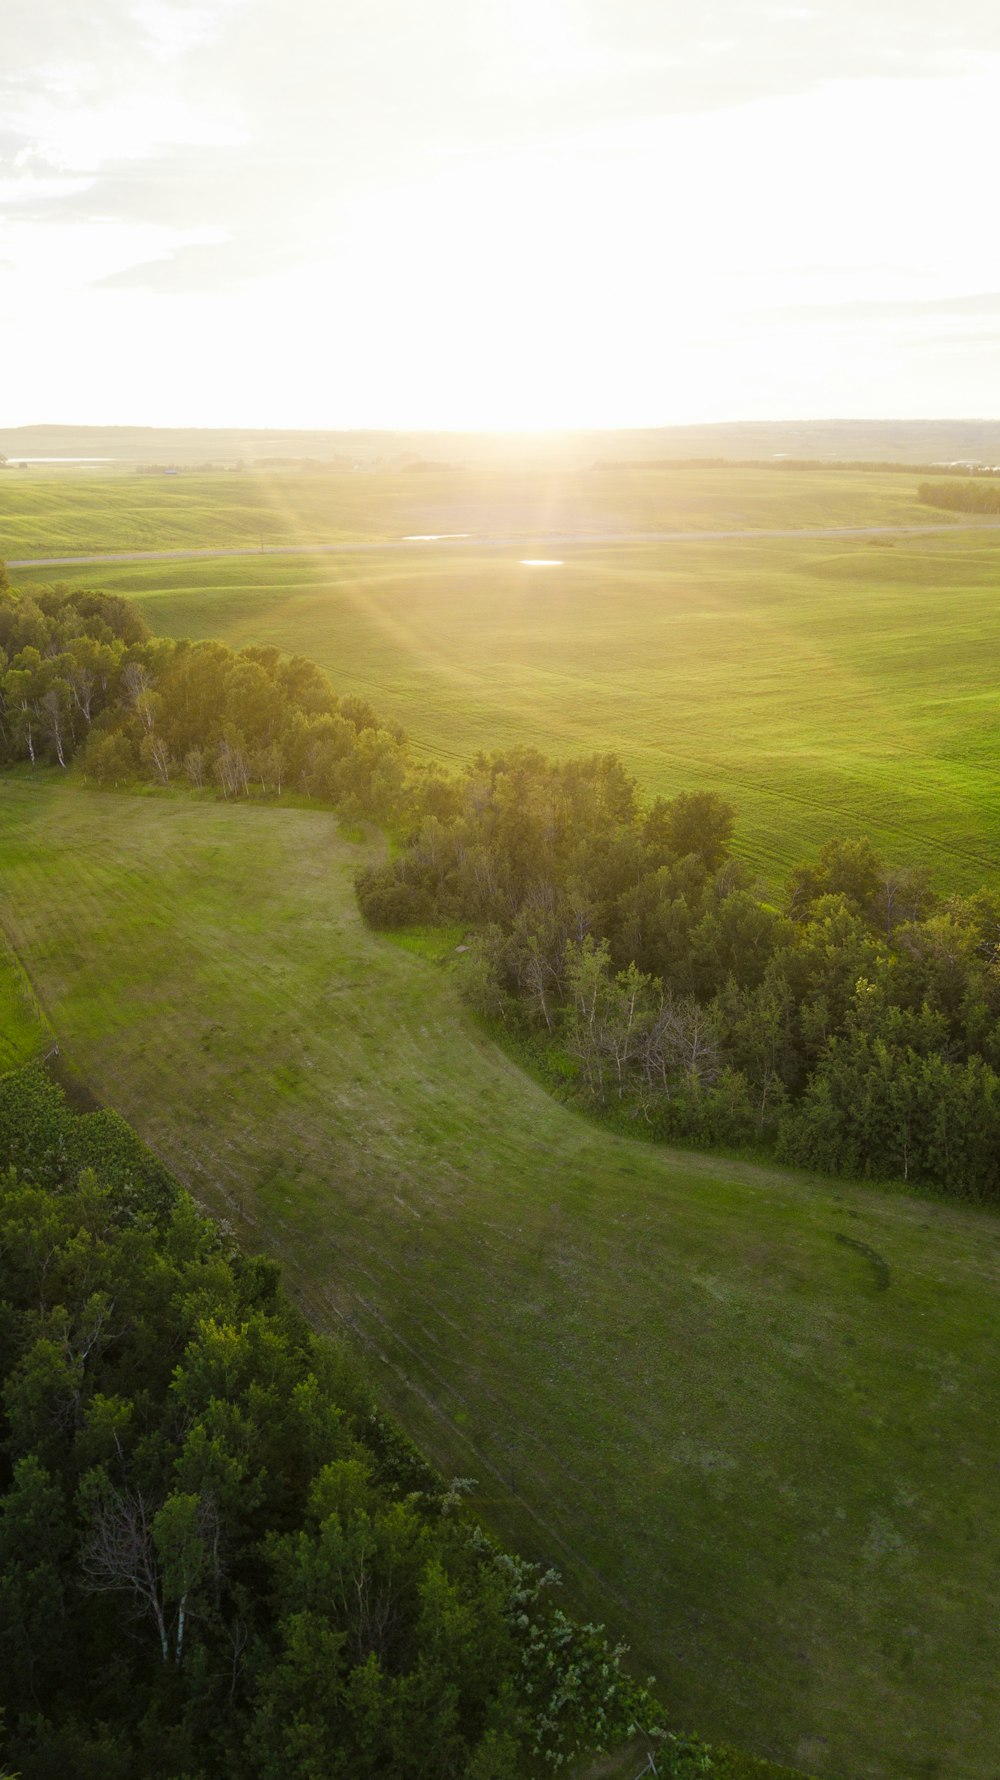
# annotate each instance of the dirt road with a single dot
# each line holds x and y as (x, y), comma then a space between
(532, 540)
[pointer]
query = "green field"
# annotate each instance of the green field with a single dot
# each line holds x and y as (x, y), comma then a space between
(23, 1033)
(680, 1379)
(47, 514)
(826, 686)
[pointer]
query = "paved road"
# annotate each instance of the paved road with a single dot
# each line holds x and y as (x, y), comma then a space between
(473, 542)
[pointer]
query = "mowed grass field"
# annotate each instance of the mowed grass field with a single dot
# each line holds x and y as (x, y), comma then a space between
(824, 686)
(683, 1380)
(23, 1034)
(44, 513)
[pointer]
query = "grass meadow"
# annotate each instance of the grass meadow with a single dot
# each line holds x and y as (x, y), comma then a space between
(826, 686)
(767, 1462)
(48, 514)
(23, 1034)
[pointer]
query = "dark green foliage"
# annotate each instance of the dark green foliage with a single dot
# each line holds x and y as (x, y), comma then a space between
(873, 1106)
(388, 900)
(46, 1142)
(217, 1559)
(697, 823)
(32, 1122)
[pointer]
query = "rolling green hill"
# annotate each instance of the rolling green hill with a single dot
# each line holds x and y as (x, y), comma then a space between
(825, 686)
(750, 1414)
(48, 514)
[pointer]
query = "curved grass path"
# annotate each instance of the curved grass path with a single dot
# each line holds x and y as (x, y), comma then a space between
(764, 1457)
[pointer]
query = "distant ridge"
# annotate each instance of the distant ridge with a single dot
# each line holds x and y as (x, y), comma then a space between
(900, 441)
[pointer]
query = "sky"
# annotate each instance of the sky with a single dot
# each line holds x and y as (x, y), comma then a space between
(497, 213)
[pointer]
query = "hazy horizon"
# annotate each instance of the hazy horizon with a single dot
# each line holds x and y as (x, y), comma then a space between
(562, 215)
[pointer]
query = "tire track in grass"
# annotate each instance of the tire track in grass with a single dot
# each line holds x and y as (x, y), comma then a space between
(324, 1301)
(509, 1490)
(506, 1415)
(580, 735)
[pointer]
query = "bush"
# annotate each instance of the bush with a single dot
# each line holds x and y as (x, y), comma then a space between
(388, 901)
(44, 1139)
(109, 759)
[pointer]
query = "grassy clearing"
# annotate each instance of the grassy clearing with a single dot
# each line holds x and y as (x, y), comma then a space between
(23, 1032)
(774, 1478)
(46, 515)
(825, 686)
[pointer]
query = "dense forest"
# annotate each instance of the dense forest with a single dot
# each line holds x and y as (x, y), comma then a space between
(980, 496)
(216, 1557)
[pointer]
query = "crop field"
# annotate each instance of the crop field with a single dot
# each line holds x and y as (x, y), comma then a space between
(750, 1414)
(49, 514)
(825, 686)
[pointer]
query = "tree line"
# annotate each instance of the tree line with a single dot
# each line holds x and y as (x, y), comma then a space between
(82, 680)
(217, 1558)
(981, 496)
(854, 1028)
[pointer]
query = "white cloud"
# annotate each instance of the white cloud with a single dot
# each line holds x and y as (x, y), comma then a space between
(546, 211)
